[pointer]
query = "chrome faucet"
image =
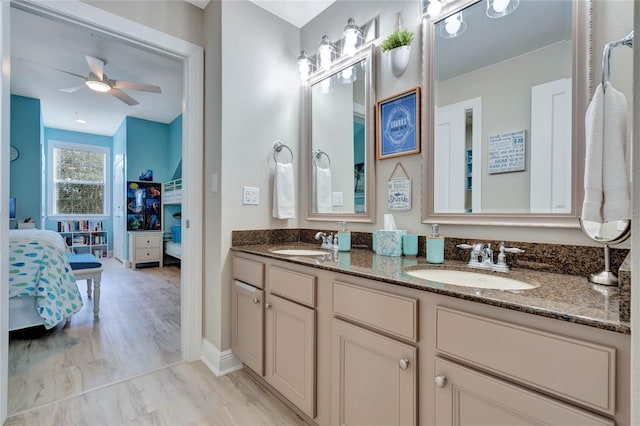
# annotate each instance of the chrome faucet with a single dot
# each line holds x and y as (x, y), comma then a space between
(481, 256)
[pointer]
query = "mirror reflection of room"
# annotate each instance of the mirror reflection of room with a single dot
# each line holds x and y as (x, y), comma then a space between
(504, 145)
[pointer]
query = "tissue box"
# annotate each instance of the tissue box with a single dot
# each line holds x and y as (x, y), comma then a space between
(389, 243)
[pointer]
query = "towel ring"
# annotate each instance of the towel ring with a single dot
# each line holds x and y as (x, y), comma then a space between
(606, 56)
(277, 147)
(316, 154)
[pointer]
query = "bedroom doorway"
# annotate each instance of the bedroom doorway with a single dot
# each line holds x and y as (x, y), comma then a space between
(192, 58)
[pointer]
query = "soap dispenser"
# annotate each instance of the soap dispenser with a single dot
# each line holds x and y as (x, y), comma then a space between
(344, 237)
(435, 246)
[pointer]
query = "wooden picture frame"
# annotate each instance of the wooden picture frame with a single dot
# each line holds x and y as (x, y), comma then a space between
(398, 125)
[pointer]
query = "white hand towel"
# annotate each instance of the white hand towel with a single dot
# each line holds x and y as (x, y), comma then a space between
(324, 202)
(615, 176)
(594, 135)
(284, 195)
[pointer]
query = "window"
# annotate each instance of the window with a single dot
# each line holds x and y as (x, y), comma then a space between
(78, 179)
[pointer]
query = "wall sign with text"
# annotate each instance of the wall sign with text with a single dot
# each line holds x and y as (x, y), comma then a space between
(507, 152)
(398, 125)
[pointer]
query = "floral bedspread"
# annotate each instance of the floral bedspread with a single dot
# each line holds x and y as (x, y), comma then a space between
(39, 268)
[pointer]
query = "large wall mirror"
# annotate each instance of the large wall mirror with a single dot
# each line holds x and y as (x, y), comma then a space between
(504, 112)
(340, 135)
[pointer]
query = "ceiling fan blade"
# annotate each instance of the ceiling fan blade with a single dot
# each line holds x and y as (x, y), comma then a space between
(72, 89)
(141, 87)
(96, 66)
(123, 97)
(50, 67)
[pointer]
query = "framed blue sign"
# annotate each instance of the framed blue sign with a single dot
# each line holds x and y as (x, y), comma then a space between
(398, 125)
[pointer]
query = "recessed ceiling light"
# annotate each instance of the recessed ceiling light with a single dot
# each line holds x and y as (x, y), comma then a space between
(81, 121)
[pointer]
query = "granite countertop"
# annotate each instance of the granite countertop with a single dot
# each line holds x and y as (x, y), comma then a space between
(560, 296)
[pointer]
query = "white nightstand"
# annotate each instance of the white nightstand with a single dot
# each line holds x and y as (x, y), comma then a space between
(145, 247)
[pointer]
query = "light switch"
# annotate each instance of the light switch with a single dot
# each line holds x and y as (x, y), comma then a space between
(337, 198)
(250, 195)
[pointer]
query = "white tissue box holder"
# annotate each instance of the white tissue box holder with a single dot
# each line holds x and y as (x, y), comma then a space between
(389, 243)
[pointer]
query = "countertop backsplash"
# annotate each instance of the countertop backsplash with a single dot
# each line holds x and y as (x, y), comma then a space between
(555, 258)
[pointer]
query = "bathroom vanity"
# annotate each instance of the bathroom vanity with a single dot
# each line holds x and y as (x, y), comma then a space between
(351, 338)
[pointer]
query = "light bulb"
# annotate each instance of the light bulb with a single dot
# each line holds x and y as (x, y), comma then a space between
(500, 5)
(326, 51)
(304, 66)
(452, 24)
(434, 8)
(350, 42)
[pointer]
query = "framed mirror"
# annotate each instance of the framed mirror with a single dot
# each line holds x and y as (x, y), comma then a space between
(340, 140)
(504, 105)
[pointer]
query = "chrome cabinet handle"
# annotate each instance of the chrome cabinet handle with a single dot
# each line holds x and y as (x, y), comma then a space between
(403, 364)
(441, 381)
(256, 300)
(267, 305)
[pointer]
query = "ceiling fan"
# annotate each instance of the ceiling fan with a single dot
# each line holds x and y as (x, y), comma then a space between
(99, 82)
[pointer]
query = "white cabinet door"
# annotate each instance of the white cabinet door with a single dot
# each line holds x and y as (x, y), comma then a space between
(465, 397)
(247, 325)
(373, 378)
(291, 351)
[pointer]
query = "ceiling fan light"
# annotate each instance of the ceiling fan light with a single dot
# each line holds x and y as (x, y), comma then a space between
(98, 86)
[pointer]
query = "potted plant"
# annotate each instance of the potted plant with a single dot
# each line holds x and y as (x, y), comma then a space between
(398, 48)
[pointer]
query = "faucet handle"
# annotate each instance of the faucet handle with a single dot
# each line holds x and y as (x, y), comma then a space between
(464, 246)
(515, 250)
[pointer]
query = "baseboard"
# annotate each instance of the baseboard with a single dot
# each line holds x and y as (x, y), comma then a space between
(220, 363)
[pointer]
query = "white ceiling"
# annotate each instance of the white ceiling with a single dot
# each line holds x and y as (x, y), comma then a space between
(40, 44)
(296, 12)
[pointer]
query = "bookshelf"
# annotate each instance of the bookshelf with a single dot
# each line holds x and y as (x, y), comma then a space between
(85, 237)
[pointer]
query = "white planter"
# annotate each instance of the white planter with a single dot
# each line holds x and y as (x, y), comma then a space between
(399, 59)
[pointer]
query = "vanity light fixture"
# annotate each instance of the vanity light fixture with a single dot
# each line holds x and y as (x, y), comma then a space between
(306, 66)
(98, 85)
(432, 8)
(351, 38)
(326, 52)
(500, 8)
(453, 26)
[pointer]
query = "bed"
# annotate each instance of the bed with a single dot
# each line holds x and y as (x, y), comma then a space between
(42, 286)
(172, 195)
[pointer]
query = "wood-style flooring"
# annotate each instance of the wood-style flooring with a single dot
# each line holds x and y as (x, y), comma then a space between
(138, 331)
(183, 394)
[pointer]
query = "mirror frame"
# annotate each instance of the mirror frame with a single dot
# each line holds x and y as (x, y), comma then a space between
(581, 93)
(367, 53)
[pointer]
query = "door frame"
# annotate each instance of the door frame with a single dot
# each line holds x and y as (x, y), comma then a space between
(192, 57)
(475, 105)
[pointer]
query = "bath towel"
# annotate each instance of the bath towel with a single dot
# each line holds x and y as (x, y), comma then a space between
(324, 203)
(284, 195)
(606, 180)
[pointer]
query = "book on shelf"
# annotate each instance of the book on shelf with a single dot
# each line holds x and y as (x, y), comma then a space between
(79, 226)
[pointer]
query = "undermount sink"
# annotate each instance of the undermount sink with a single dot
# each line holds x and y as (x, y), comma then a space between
(470, 279)
(299, 252)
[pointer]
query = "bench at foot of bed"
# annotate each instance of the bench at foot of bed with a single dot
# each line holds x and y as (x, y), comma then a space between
(86, 267)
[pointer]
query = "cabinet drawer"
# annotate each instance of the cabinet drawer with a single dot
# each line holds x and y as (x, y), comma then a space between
(575, 370)
(396, 315)
(147, 241)
(248, 271)
(147, 254)
(292, 285)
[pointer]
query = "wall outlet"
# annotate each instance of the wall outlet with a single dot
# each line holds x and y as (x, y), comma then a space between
(250, 195)
(337, 198)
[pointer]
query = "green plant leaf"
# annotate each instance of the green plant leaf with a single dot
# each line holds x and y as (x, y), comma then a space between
(396, 39)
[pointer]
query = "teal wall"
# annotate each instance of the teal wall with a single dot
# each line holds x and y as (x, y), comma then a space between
(148, 148)
(87, 139)
(25, 176)
(175, 148)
